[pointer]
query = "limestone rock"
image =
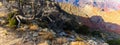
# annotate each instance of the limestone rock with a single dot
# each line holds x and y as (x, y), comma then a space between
(35, 34)
(59, 41)
(2, 14)
(34, 27)
(44, 43)
(1, 4)
(78, 43)
(46, 35)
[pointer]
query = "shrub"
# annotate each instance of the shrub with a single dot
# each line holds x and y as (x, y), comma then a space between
(10, 15)
(12, 22)
(114, 42)
(78, 28)
(96, 34)
(83, 29)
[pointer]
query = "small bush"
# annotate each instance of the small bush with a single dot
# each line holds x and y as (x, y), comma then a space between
(114, 42)
(96, 34)
(83, 29)
(12, 22)
(43, 24)
(78, 28)
(10, 15)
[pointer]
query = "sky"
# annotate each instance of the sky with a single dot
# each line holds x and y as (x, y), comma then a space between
(105, 4)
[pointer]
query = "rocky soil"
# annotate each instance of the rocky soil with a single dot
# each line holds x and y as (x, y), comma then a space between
(54, 27)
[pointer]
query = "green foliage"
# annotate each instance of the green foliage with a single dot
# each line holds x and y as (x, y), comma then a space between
(12, 22)
(83, 29)
(10, 15)
(71, 25)
(114, 42)
(43, 24)
(78, 28)
(96, 34)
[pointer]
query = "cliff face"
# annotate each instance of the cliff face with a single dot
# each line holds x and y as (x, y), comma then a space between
(55, 24)
(96, 17)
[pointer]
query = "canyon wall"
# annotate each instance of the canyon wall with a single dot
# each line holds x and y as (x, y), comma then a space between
(97, 14)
